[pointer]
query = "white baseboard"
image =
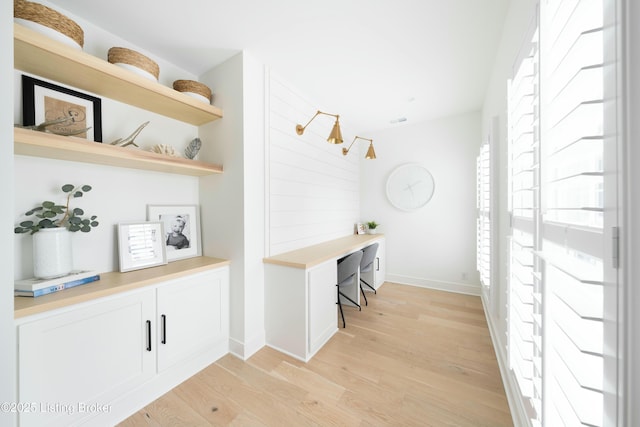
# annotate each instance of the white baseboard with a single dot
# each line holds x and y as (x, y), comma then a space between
(511, 389)
(460, 288)
(244, 350)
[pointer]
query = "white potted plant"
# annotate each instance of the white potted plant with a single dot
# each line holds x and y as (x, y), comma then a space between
(51, 229)
(372, 227)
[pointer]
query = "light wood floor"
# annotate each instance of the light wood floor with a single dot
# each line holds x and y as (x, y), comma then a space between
(413, 357)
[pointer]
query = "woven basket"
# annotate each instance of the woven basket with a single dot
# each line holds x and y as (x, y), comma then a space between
(48, 17)
(133, 58)
(192, 86)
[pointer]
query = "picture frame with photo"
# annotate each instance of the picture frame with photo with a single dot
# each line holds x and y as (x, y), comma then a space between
(141, 245)
(181, 228)
(360, 229)
(44, 101)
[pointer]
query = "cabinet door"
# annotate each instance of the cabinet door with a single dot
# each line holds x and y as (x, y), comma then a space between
(72, 364)
(192, 315)
(323, 320)
(379, 264)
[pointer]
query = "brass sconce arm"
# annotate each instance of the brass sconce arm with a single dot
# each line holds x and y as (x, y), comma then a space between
(371, 154)
(335, 137)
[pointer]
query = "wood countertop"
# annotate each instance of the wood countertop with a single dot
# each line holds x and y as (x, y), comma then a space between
(316, 254)
(113, 283)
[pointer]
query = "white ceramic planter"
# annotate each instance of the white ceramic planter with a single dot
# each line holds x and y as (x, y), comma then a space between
(52, 253)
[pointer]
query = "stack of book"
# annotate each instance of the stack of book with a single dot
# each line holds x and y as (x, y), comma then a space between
(38, 287)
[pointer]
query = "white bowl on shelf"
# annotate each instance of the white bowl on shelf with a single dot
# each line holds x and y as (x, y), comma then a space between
(49, 32)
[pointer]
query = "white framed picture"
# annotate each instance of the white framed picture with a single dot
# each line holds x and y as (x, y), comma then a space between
(141, 245)
(181, 229)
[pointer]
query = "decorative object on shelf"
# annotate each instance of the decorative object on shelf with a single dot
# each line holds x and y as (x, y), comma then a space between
(164, 149)
(60, 127)
(59, 216)
(51, 233)
(372, 227)
(359, 228)
(371, 154)
(182, 229)
(123, 142)
(410, 187)
(134, 62)
(335, 137)
(194, 89)
(48, 22)
(141, 245)
(193, 148)
(46, 102)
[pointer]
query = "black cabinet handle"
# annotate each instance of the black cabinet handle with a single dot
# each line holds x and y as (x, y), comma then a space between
(378, 267)
(148, 335)
(164, 329)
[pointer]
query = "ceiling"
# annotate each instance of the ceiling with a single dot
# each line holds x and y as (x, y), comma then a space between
(371, 61)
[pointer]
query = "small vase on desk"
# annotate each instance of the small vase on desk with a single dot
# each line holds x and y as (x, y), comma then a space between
(373, 231)
(52, 253)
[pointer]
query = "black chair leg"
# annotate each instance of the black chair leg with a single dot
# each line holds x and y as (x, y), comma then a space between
(355, 303)
(371, 287)
(364, 296)
(344, 324)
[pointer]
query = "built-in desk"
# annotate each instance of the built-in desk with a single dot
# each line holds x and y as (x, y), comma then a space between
(300, 293)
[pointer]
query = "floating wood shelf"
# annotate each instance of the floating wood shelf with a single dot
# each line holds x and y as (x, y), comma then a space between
(41, 144)
(42, 56)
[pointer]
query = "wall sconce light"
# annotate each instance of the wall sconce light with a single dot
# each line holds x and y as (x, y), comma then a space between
(335, 137)
(371, 153)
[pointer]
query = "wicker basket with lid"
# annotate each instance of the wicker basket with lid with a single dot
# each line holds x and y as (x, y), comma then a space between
(192, 86)
(43, 15)
(122, 55)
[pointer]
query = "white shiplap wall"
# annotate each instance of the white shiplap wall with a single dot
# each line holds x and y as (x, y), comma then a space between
(313, 190)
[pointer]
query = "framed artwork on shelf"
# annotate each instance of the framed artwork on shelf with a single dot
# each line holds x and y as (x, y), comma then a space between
(141, 245)
(182, 229)
(73, 113)
(360, 228)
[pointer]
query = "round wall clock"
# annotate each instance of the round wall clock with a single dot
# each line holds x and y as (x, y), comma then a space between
(410, 187)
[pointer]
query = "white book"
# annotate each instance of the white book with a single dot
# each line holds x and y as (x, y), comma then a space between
(33, 284)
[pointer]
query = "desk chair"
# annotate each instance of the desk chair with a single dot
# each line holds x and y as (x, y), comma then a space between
(366, 265)
(347, 275)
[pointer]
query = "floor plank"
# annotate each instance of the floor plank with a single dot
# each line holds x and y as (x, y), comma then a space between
(412, 357)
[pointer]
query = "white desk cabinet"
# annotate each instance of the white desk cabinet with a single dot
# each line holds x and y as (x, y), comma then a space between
(300, 308)
(97, 362)
(300, 294)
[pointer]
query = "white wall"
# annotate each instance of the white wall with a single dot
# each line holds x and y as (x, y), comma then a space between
(7, 329)
(435, 246)
(313, 188)
(233, 202)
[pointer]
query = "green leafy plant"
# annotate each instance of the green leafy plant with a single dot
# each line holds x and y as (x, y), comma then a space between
(51, 215)
(372, 225)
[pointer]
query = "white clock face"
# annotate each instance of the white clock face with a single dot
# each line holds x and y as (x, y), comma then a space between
(410, 187)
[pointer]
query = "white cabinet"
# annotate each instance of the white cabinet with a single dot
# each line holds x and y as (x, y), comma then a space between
(97, 362)
(83, 357)
(321, 303)
(192, 316)
(379, 265)
(300, 308)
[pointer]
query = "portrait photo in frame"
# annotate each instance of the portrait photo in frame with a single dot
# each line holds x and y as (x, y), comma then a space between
(181, 228)
(141, 245)
(43, 101)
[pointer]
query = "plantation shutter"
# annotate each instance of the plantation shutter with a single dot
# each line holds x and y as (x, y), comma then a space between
(483, 253)
(572, 239)
(523, 157)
